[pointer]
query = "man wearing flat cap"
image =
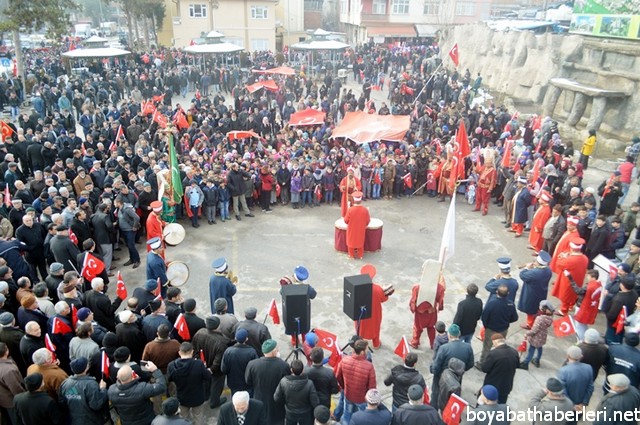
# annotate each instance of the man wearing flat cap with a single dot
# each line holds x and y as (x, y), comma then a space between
(416, 412)
(211, 344)
(35, 406)
(500, 366)
(64, 250)
(621, 398)
(258, 333)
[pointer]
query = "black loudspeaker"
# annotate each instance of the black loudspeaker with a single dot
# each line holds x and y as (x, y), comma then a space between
(296, 306)
(357, 295)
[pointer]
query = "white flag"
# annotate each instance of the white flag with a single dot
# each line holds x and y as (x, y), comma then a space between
(447, 247)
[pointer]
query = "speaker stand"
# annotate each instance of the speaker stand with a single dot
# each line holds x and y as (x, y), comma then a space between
(296, 350)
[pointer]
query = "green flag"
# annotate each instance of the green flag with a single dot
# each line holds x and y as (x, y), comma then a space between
(176, 182)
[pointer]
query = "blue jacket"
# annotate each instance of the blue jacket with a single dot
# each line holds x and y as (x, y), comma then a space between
(156, 268)
(511, 283)
(498, 314)
(535, 285)
(577, 378)
(521, 203)
(380, 416)
(221, 287)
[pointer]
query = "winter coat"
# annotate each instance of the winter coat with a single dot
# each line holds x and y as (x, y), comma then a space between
(537, 336)
(402, 378)
(264, 375)
(85, 399)
(422, 414)
(356, 376)
(234, 364)
(543, 403)
(324, 381)
(450, 381)
(617, 404)
(210, 196)
(500, 368)
(132, 400)
(467, 315)
(298, 394)
(192, 381)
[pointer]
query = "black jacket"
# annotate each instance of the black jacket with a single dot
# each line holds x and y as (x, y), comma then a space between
(132, 400)
(194, 323)
(500, 368)
(617, 404)
(65, 252)
(33, 238)
(254, 416)
(235, 182)
(103, 309)
(28, 345)
(130, 335)
(192, 381)
(467, 315)
(213, 344)
(421, 414)
(264, 375)
(102, 227)
(37, 408)
(298, 394)
(234, 364)
(258, 333)
(402, 378)
(325, 382)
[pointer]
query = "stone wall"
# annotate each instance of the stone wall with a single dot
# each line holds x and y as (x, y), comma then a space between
(522, 64)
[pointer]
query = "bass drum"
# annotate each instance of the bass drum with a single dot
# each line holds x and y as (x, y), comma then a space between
(173, 234)
(177, 273)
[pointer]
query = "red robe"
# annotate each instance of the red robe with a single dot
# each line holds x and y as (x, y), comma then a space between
(154, 226)
(357, 220)
(539, 219)
(347, 190)
(425, 315)
(588, 310)
(563, 246)
(576, 264)
(370, 328)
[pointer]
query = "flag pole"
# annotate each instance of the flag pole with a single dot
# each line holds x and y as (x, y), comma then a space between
(427, 83)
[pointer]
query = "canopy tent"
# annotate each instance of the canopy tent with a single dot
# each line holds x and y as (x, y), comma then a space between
(213, 48)
(240, 134)
(320, 45)
(99, 52)
(362, 127)
(307, 117)
(266, 84)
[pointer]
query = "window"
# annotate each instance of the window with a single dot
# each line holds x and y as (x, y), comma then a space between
(259, 44)
(379, 7)
(197, 10)
(258, 12)
(313, 5)
(431, 7)
(343, 6)
(465, 8)
(400, 7)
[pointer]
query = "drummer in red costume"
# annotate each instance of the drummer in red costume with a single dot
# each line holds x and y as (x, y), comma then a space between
(348, 185)
(155, 225)
(575, 263)
(540, 218)
(357, 220)
(370, 328)
(569, 235)
(486, 183)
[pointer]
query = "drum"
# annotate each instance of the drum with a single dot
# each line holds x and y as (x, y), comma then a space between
(173, 234)
(177, 273)
(375, 223)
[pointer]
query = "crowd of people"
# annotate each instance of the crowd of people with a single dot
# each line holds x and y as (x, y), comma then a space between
(87, 167)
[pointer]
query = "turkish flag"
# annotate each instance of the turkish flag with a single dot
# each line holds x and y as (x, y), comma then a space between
(7, 196)
(402, 349)
(105, 365)
(452, 412)
(5, 130)
(618, 325)
(407, 180)
(613, 272)
(463, 140)
(523, 346)
(148, 108)
(121, 290)
(453, 54)
(120, 132)
(158, 98)
(182, 328)
(563, 327)
(60, 327)
(273, 312)
(84, 150)
(158, 290)
(329, 341)
(73, 237)
(91, 267)
(202, 357)
(74, 316)
(536, 170)
(160, 119)
(180, 120)
(49, 344)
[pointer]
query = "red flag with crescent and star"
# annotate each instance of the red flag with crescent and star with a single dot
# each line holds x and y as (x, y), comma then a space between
(329, 341)
(50, 346)
(407, 180)
(563, 327)
(91, 267)
(182, 328)
(402, 349)
(105, 365)
(60, 327)
(74, 316)
(618, 325)
(73, 237)
(273, 312)
(5, 130)
(121, 289)
(452, 412)
(454, 55)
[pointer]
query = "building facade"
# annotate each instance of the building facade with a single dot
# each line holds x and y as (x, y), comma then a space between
(384, 21)
(247, 23)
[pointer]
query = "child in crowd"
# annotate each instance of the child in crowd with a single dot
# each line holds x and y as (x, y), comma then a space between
(223, 200)
(441, 337)
(537, 336)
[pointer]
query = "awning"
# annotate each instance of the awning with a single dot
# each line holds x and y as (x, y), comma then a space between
(364, 128)
(424, 30)
(391, 31)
